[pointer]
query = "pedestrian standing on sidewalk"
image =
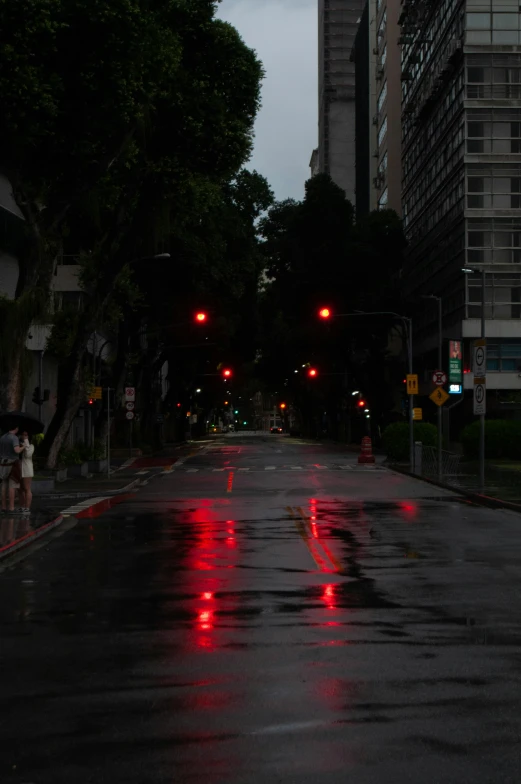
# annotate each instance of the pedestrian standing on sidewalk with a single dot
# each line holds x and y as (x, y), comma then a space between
(26, 493)
(10, 448)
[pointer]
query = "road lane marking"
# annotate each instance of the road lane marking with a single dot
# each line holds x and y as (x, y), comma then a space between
(229, 488)
(244, 469)
(192, 470)
(218, 469)
(337, 566)
(269, 468)
(295, 468)
(308, 541)
(321, 467)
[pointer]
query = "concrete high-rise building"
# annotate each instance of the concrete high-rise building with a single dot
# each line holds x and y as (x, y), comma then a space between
(337, 24)
(377, 59)
(461, 157)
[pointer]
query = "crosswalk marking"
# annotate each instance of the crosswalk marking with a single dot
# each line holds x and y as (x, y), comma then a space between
(192, 470)
(218, 469)
(244, 469)
(269, 468)
(296, 468)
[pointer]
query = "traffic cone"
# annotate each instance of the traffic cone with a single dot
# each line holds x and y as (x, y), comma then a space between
(366, 456)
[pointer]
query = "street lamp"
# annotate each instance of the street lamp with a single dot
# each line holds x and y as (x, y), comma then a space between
(468, 271)
(440, 367)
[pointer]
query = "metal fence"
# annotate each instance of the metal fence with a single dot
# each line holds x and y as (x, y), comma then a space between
(426, 462)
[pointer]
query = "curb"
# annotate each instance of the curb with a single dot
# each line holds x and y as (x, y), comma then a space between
(29, 538)
(476, 498)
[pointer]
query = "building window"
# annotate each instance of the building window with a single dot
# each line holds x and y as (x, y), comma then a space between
(382, 97)
(382, 132)
(383, 200)
(503, 357)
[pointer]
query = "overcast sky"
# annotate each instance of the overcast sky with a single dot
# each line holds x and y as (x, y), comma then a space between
(284, 35)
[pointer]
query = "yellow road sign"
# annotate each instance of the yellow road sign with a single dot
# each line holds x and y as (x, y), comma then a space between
(439, 396)
(417, 413)
(412, 384)
(96, 393)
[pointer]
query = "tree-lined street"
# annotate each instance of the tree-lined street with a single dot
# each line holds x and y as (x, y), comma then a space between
(267, 610)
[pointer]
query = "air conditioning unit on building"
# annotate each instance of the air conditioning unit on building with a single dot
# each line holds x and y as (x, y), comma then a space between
(380, 72)
(376, 51)
(375, 120)
(376, 153)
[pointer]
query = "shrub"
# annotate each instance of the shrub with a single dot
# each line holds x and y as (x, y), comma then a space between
(395, 439)
(502, 439)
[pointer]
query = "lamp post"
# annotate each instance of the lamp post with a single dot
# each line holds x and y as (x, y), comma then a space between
(407, 322)
(481, 416)
(440, 367)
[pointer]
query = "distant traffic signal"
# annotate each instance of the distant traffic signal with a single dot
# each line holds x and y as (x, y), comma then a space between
(324, 313)
(312, 373)
(361, 404)
(200, 317)
(283, 406)
(227, 373)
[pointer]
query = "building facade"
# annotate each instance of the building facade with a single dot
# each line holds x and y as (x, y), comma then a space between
(337, 25)
(461, 158)
(377, 59)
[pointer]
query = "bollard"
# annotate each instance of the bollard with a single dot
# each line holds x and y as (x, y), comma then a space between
(366, 456)
(417, 467)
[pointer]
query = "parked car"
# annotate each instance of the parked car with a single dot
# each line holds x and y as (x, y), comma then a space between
(277, 430)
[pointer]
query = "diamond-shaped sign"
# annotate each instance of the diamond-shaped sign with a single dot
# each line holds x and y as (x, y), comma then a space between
(439, 396)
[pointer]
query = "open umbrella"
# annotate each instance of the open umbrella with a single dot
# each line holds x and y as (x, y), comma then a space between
(12, 419)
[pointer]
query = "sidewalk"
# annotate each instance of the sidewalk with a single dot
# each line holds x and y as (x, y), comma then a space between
(88, 497)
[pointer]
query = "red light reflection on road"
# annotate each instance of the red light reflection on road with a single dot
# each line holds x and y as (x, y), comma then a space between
(205, 619)
(328, 596)
(409, 510)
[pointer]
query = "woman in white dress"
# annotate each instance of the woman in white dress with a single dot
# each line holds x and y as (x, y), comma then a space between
(26, 495)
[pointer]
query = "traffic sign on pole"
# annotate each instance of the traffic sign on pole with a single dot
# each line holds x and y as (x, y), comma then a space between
(480, 359)
(480, 396)
(130, 394)
(412, 384)
(129, 406)
(439, 396)
(439, 378)
(417, 414)
(130, 415)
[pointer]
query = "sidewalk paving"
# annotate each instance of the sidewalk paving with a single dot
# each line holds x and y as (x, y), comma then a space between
(85, 497)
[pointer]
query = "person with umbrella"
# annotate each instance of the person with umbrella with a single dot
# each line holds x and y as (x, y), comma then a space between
(10, 448)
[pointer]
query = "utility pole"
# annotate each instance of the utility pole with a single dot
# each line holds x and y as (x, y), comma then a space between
(440, 367)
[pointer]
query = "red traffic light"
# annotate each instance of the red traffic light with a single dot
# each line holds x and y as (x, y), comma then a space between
(312, 373)
(91, 401)
(324, 313)
(283, 405)
(179, 405)
(361, 404)
(227, 373)
(200, 317)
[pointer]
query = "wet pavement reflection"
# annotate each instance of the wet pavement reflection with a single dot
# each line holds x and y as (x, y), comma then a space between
(316, 630)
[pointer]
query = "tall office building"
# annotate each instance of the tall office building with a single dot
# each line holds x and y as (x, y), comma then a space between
(461, 156)
(337, 25)
(377, 59)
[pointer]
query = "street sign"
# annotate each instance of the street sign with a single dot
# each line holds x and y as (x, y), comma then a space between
(439, 378)
(439, 396)
(130, 394)
(455, 362)
(412, 384)
(417, 414)
(129, 406)
(480, 396)
(455, 389)
(97, 393)
(480, 359)
(130, 415)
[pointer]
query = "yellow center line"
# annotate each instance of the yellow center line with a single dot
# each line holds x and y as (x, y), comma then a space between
(308, 541)
(335, 563)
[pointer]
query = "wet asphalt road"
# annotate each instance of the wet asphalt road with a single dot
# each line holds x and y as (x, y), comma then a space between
(298, 621)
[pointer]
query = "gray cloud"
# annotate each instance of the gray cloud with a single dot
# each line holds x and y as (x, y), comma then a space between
(284, 35)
